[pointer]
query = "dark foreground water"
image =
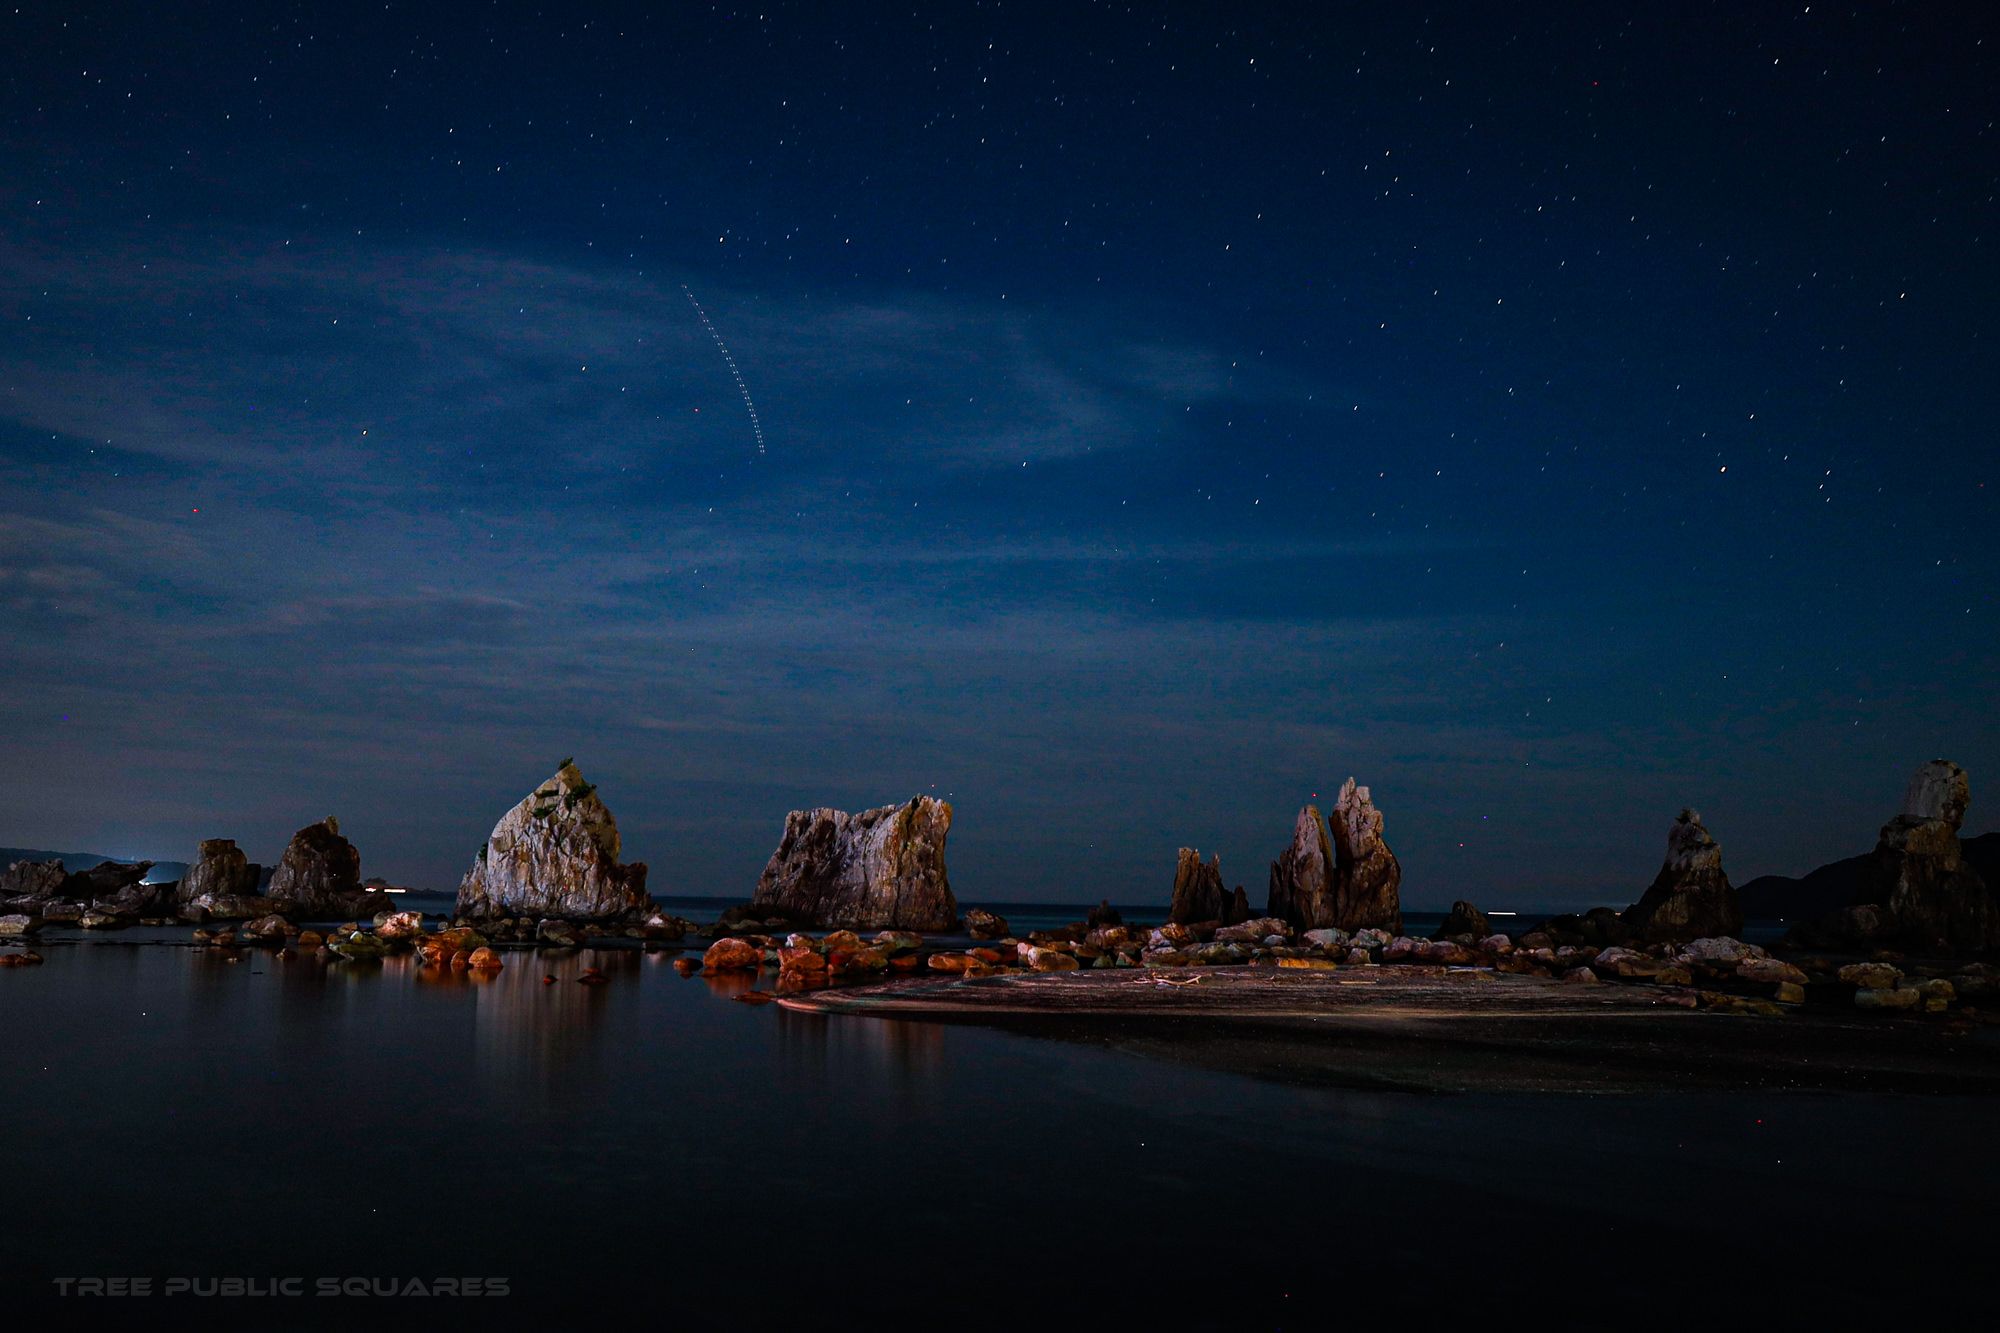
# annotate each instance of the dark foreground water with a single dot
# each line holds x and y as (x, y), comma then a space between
(651, 1149)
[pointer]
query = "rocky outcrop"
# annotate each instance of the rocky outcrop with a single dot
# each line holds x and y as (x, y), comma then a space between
(555, 854)
(114, 888)
(1368, 880)
(220, 871)
(1918, 873)
(320, 875)
(984, 925)
(1464, 919)
(1198, 892)
(880, 869)
(1237, 909)
(1302, 878)
(1352, 881)
(31, 882)
(1690, 897)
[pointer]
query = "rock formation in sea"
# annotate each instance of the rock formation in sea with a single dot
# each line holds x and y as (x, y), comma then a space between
(220, 871)
(1690, 898)
(878, 869)
(26, 882)
(1237, 909)
(1302, 878)
(114, 888)
(1368, 879)
(555, 854)
(320, 875)
(1198, 892)
(1465, 919)
(1918, 873)
(1351, 881)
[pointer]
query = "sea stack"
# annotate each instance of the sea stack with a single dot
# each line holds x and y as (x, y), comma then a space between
(1918, 873)
(1198, 892)
(1353, 882)
(320, 875)
(1368, 880)
(881, 869)
(555, 854)
(220, 871)
(1691, 897)
(1302, 878)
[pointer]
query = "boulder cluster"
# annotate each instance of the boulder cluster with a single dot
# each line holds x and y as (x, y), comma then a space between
(110, 893)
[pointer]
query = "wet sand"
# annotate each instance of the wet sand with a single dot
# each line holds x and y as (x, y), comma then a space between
(1457, 1030)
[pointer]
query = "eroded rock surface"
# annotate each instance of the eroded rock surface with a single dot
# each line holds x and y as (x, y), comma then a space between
(1691, 896)
(220, 871)
(320, 875)
(879, 869)
(1198, 893)
(1302, 878)
(555, 854)
(1368, 879)
(1918, 872)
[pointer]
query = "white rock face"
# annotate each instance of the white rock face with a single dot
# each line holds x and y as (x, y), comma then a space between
(555, 855)
(1938, 791)
(878, 869)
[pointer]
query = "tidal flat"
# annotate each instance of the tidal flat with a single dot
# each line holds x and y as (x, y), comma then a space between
(652, 1146)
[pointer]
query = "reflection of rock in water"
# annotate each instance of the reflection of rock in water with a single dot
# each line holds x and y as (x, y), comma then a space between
(529, 1030)
(842, 1050)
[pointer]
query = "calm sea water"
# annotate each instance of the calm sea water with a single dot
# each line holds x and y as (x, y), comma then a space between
(652, 1148)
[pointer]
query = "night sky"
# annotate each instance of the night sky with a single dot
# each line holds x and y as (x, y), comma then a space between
(1549, 418)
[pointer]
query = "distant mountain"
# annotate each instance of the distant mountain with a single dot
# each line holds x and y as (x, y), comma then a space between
(1831, 887)
(161, 872)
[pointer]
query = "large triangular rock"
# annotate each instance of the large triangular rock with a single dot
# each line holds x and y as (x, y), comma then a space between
(1198, 891)
(1918, 872)
(880, 869)
(555, 854)
(1302, 878)
(320, 876)
(1368, 880)
(1691, 897)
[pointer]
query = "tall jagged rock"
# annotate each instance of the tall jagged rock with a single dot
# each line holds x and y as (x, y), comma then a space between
(1302, 878)
(1368, 880)
(320, 875)
(1918, 872)
(221, 871)
(1198, 891)
(555, 854)
(880, 869)
(1691, 897)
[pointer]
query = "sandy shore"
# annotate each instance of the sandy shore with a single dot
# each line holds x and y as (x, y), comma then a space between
(1446, 1030)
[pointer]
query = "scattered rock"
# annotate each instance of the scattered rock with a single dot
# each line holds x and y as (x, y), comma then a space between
(1899, 997)
(271, 927)
(984, 925)
(731, 954)
(1771, 969)
(1582, 975)
(1871, 976)
(555, 854)
(394, 926)
(558, 934)
(18, 923)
